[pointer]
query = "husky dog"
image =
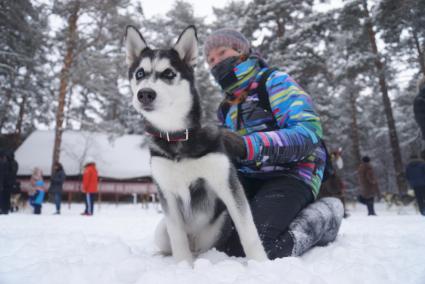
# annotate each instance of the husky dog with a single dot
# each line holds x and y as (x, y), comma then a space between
(197, 184)
(395, 199)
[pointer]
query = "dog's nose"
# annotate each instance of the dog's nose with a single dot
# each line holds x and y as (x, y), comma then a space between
(146, 96)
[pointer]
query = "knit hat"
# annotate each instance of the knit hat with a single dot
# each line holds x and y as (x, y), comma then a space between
(89, 160)
(228, 38)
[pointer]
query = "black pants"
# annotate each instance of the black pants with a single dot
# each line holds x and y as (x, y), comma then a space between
(274, 204)
(369, 202)
(5, 200)
(58, 201)
(37, 209)
(420, 198)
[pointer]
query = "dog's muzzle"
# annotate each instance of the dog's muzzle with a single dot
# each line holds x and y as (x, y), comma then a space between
(146, 96)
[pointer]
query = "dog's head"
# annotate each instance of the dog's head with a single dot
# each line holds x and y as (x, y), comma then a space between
(388, 197)
(162, 80)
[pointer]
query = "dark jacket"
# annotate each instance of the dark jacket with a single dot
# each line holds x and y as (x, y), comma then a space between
(419, 110)
(12, 170)
(332, 187)
(3, 173)
(415, 173)
(56, 182)
(368, 182)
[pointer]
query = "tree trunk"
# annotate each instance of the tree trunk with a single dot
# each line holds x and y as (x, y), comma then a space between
(83, 108)
(280, 23)
(421, 57)
(68, 104)
(18, 129)
(64, 77)
(354, 129)
(398, 164)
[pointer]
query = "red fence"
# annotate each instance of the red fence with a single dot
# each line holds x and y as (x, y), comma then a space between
(146, 191)
(104, 187)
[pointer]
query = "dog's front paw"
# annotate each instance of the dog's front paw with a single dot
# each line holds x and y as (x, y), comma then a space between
(256, 252)
(184, 258)
(259, 255)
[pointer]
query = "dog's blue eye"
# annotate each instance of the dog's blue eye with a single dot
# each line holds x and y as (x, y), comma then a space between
(168, 74)
(140, 74)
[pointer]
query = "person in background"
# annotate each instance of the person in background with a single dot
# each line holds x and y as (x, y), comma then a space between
(419, 106)
(38, 191)
(89, 186)
(56, 185)
(415, 175)
(368, 185)
(334, 186)
(3, 175)
(10, 185)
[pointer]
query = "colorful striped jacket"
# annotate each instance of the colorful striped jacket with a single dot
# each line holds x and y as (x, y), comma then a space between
(294, 147)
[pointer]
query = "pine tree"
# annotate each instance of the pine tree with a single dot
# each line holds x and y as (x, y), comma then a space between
(180, 16)
(93, 70)
(71, 9)
(348, 60)
(380, 67)
(22, 58)
(99, 71)
(402, 25)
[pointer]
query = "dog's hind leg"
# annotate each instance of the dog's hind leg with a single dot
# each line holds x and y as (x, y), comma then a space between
(230, 191)
(209, 235)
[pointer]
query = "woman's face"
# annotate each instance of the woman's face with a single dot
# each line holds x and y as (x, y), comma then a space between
(220, 53)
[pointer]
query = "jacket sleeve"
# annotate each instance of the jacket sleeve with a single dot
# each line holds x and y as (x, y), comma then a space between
(87, 178)
(419, 111)
(300, 128)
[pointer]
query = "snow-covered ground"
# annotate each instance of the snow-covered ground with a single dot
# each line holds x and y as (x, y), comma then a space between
(116, 246)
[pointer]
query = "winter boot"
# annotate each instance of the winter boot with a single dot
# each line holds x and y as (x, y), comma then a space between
(317, 224)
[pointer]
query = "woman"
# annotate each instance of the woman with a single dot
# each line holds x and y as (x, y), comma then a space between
(274, 136)
(89, 185)
(415, 175)
(56, 185)
(38, 190)
(368, 185)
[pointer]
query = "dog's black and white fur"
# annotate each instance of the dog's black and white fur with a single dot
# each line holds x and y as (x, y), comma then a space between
(197, 184)
(395, 199)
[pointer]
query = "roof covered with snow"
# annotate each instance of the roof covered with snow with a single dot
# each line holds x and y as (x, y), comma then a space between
(121, 157)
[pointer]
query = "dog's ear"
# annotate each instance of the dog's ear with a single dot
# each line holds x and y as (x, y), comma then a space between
(134, 44)
(187, 46)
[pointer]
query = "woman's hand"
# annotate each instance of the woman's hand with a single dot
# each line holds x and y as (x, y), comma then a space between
(234, 144)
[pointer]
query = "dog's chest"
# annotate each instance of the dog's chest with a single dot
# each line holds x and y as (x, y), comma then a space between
(176, 176)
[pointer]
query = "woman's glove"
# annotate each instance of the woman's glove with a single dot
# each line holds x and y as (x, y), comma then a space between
(234, 144)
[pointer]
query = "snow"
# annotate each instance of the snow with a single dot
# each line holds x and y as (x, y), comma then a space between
(116, 246)
(120, 157)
